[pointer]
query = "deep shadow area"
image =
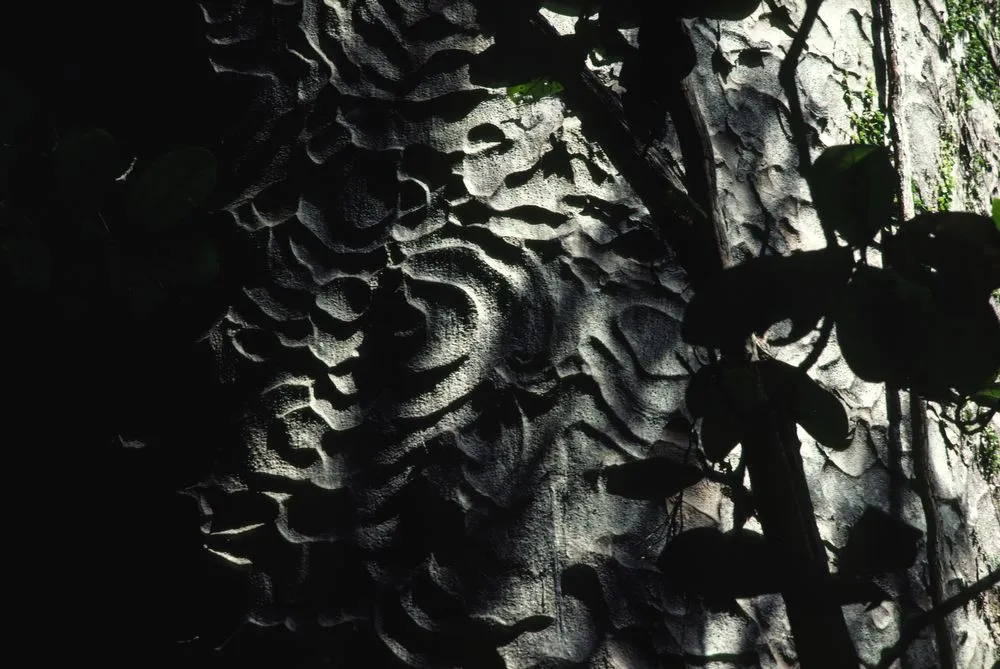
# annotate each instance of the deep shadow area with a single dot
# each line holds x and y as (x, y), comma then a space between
(109, 556)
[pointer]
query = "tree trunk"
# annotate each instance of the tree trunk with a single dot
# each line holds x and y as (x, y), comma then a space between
(472, 307)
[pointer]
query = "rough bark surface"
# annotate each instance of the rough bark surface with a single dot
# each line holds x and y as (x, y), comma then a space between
(467, 314)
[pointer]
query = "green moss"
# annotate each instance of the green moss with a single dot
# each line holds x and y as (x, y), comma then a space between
(946, 170)
(978, 166)
(944, 184)
(972, 21)
(988, 454)
(868, 125)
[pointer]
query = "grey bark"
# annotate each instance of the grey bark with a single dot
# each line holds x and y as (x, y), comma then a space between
(467, 315)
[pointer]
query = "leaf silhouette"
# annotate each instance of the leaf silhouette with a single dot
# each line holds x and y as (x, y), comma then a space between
(171, 188)
(813, 407)
(852, 188)
(878, 543)
(651, 478)
(753, 296)
(955, 252)
(891, 329)
(726, 395)
(85, 165)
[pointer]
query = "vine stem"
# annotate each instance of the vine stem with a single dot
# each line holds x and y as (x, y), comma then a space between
(899, 135)
(939, 612)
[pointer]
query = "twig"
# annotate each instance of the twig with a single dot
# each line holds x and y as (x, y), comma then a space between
(916, 624)
(918, 413)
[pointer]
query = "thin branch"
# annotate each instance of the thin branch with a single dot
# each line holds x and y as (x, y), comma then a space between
(916, 624)
(786, 77)
(918, 413)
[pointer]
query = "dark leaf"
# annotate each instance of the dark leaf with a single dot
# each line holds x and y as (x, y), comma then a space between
(720, 65)
(751, 297)
(891, 329)
(171, 188)
(652, 478)
(494, 17)
(725, 390)
(17, 107)
(186, 263)
(743, 506)
(719, 436)
(572, 7)
(961, 349)
(996, 214)
(853, 190)
(621, 14)
(731, 10)
(952, 252)
(29, 178)
(505, 64)
(727, 395)
(988, 397)
(813, 407)
(877, 322)
(752, 57)
(720, 566)
(878, 543)
(28, 260)
(85, 166)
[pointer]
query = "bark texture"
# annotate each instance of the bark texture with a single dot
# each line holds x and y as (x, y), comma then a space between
(467, 314)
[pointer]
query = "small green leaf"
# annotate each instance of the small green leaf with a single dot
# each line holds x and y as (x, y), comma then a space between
(171, 188)
(853, 190)
(533, 91)
(988, 397)
(85, 166)
(996, 213)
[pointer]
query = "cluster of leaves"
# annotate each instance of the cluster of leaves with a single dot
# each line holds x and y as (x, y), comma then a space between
(90, 234)
(719, 567)
(925, 324)
(664, 53)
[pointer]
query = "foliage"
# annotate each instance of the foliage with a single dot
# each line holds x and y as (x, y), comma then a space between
(533, 91)
(664, 53)
(868, 125)
(970, 21)
(925, 325)
(852, 188)
(84, 231)
(944, 184)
